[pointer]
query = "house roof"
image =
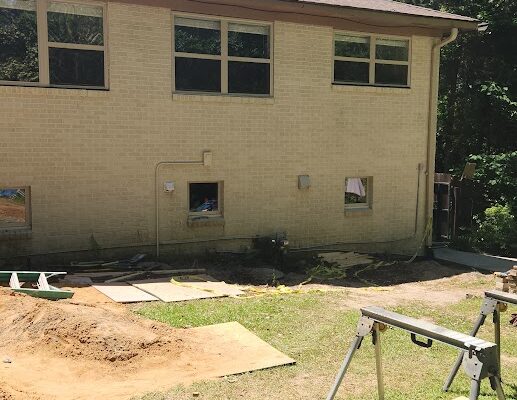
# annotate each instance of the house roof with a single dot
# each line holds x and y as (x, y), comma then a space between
(389, 6)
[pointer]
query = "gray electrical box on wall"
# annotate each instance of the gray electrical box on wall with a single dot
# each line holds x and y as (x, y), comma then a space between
(304, 181)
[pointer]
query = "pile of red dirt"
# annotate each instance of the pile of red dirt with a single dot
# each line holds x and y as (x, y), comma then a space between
(80, 331)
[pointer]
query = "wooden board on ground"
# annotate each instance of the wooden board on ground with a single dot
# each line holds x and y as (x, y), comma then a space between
(244, 351)
(209, 284)
(124, 293)
(168, 292)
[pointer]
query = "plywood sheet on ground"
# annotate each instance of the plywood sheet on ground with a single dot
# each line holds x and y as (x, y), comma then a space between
(168, 292)
(239, 342)
(124, 293)
(208, 283)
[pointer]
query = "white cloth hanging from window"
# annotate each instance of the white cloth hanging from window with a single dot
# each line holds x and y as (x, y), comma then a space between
(355, 185)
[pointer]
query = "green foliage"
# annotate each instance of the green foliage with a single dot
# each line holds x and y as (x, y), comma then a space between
(497, 231)
(495, 180)
(478, 83)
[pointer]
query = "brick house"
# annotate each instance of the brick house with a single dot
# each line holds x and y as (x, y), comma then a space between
(200, 124)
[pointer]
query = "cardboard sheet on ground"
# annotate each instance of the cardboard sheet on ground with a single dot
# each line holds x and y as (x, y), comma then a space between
(124, 293)
(168, 292)
(208, 283)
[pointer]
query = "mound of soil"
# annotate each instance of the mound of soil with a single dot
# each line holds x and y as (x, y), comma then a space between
(80, 331)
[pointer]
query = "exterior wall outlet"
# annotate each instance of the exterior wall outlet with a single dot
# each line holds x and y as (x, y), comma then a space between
(168, 187)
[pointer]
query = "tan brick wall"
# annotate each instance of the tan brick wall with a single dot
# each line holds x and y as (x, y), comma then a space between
(89, 156)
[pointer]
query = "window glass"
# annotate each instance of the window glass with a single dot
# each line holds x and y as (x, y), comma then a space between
(352, 72)
(198, 75)
(250, 78)
(75, 23)
(18, 41)
(352, 46)
(203, 197)
(356, 192)
(197, 36)
(387, 49)
(76, 67)
(248, 41)
(391, 74)
(13, 207)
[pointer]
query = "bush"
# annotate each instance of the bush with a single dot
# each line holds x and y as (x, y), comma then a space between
(497, 231)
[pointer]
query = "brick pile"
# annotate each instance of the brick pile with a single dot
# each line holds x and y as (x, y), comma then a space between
(507, 281)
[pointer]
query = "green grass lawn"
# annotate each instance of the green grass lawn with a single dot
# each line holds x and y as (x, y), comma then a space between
(316, 329)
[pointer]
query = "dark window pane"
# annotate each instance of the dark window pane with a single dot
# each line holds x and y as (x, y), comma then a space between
(252, 78)
(18, 44)
(351, 72)
(197, 36)
(248, 41)
(13, 210)
(203, 197)
(352, 46)
(392, 50)
(76, 67)
(198, 75)
(70, 28)
(388, 74)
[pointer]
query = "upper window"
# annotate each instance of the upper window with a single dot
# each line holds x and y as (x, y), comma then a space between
(222, 57)
(71, 48)
(14, 208)
(76, 44)
(18, 41)
(371, 60)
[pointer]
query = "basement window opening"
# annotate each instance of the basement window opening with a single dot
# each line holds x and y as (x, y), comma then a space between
(204, 198)
(14, 208)
(358, 193)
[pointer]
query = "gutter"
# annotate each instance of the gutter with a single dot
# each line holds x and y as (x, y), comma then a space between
(432, 122)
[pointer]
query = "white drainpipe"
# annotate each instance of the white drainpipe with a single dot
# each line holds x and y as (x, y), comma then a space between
(431, 133)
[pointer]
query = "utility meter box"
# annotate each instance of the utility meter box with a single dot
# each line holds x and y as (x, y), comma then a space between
(304, 181)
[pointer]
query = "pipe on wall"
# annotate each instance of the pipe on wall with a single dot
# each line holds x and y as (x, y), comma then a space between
(207, 156)
(432, 121)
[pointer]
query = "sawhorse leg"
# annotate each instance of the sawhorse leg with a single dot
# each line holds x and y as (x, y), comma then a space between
(364, 327)
(489, 307)
(378, 359)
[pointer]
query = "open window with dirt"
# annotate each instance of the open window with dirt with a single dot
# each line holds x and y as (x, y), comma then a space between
(14, 208)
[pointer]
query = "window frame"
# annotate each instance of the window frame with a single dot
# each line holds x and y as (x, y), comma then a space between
(369, 195)
(372, 60)
(224, 58)
(219, 211)
(28, 211)
(44, 45)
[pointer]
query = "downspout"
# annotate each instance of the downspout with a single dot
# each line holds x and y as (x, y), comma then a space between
(206, 161)
(432, 123)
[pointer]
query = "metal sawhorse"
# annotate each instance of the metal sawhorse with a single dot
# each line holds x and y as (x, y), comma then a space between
(480, 359)
(494, 303)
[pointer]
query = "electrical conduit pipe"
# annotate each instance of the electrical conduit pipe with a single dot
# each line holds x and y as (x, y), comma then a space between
(206, 161)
